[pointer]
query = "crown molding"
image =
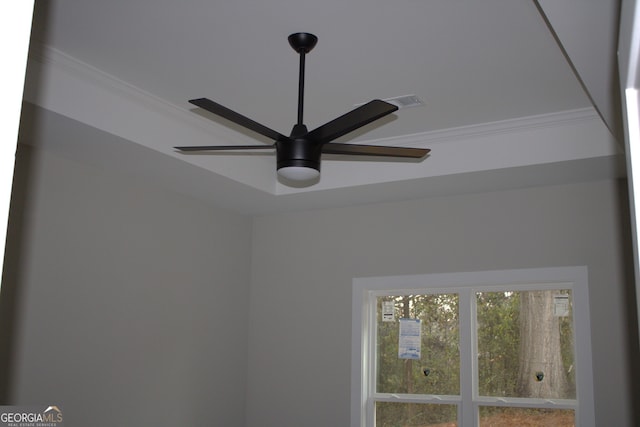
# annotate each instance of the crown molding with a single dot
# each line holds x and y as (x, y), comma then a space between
(482, 130)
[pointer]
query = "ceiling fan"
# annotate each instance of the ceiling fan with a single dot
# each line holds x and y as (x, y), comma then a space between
(298, 155)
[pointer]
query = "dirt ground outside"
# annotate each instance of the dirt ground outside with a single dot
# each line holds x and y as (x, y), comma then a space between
(560, 419)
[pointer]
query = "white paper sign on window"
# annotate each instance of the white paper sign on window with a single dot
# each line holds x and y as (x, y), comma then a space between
(388, 311)
(561, 305)
(410, 338)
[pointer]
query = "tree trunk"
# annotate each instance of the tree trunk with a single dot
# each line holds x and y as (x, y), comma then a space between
(541, 371)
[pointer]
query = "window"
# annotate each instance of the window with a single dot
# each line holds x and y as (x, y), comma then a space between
(489, 348)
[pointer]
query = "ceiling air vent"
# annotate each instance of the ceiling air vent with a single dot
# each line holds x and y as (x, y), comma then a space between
(405, 101)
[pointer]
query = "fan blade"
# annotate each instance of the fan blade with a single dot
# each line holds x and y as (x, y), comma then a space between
(224, 147)
(351, 121)
(374, 150)
(237, 118)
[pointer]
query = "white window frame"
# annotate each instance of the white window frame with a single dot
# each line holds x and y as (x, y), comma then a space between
(366, 290)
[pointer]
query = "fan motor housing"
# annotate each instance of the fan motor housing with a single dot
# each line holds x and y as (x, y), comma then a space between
(298, 152)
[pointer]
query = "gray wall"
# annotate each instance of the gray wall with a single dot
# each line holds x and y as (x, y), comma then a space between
(129, 299)
(303, 264)
(133, 303)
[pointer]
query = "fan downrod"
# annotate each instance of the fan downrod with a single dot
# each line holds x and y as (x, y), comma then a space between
(303, 42)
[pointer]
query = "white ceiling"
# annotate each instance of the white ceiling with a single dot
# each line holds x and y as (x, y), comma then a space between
(516, 92)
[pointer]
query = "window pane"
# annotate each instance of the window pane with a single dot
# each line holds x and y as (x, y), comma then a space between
(525, 344)
(525, 417)
(415, 415)
(437, 370)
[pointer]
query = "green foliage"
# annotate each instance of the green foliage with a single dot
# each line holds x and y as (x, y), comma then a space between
(498, 342)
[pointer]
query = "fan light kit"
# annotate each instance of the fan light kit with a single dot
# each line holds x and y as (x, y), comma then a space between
(298, 173)
(298, 155)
